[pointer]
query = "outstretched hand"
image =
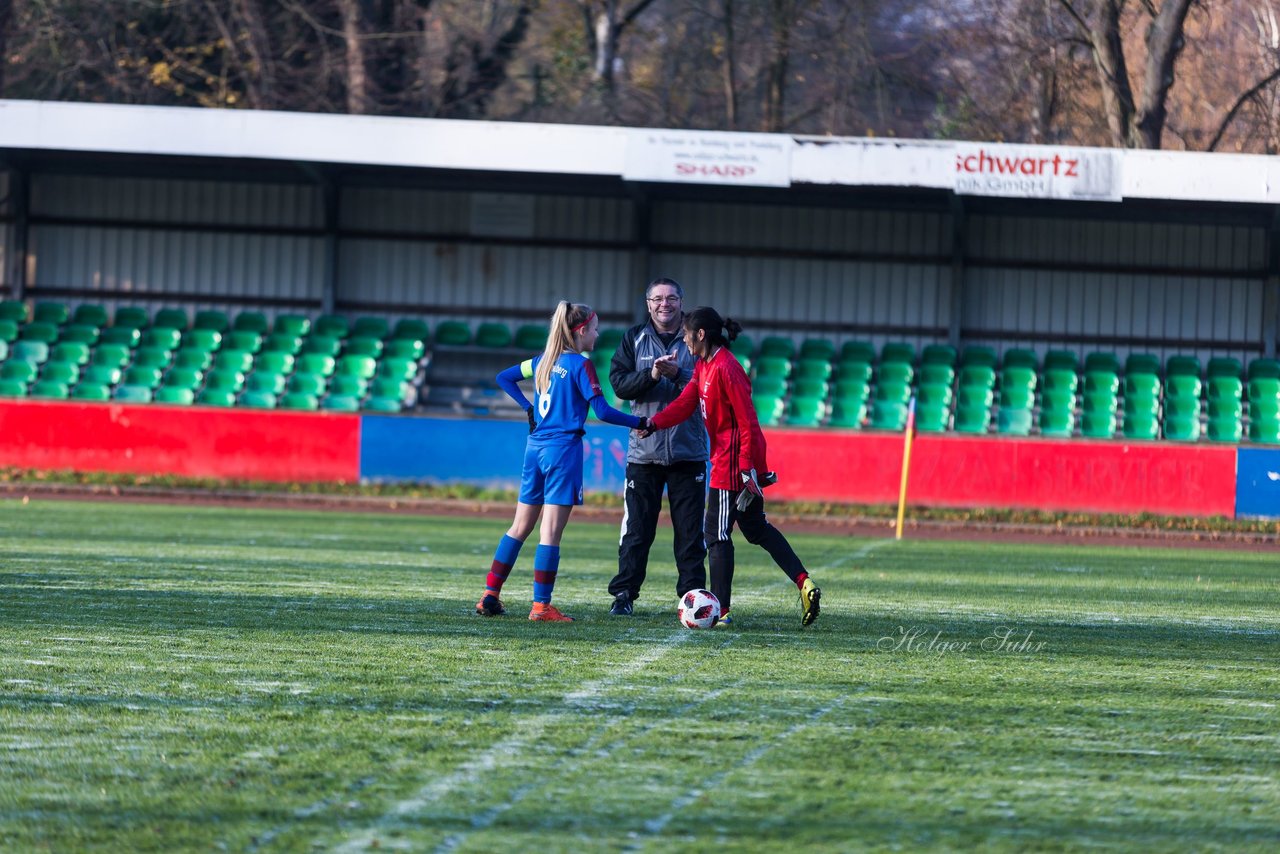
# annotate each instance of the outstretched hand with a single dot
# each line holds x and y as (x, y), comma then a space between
(645, 428)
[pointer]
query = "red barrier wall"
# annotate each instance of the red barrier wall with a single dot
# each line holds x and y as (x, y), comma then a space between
(192, 442)
(959, 471)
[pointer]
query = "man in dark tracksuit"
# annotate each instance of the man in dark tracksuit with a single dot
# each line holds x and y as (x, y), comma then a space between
(649, 368)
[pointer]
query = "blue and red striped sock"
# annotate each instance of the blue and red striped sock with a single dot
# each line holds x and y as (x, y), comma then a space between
(546, 562)
(503, 559)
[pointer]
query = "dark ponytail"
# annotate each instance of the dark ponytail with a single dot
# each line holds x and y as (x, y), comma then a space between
(720, 330)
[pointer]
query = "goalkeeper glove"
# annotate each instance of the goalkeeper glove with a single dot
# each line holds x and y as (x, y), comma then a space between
(644, 428)
(750, 489)
(532, 422)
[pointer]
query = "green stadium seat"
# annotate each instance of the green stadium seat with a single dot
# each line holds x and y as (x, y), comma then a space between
(1018, 357)
(274, 362)
(1182, 386)
(531, 337)
(779, 346)
(233, 360)
(888, 415)
(848, 412)
(610, 339)
(90, 314)
(36, 352)
(357, 366)
(1013, 421)
(1142, 363)
(126, 393)
(349, 385)
(20, 370)
(1058, 399)
(167, 318)
(216, 397)
(1224, 387)
(769, 408)
(1018, 387)
(1061, 360)
(1140, 424)
(413, 329)
(107, 375)
(10, 387)
(971, 419)
(1098, 423)
(773, 366)
(939, 354)
(244, 340)
(1264, 430)
(80, 333)
(4, 350)
(50, 389)
(1101, 381)
(151, 357)
(743, 347)
(209, 340)
(404, 348)
(332, 326)
(225, 379)
(91, 391)
(407, 370)
(1059, 423)
(8, 331)
(812, 369)
(1224, 366)
(1181, 407)
(1224, 429)
(55, 313)
(1143, 386)
(161, 338)
(60, 372)
(979, 357)
(340, 403)
(1102, 361)
(14, 310)
(975, 396)
(891, 392)
(851, 390)
(977, 376)
(321, 364)
(1182, 366)
(251, 321)
(325, 344)
(142, 375)
(194, 359)
(934, 394)
(806, 411)
(38, 330)
(184, 378)
(292, 325)
(124, 335)
(389, 387)
(1181, 429)
(897, 352)
(282, 342)
(382, 404)
(371, 327)
(455, 333)
(1059, 380)
(308, 383)
(299, 400)
(810, 388)
(854, 370)
(268, 381)
(212, 318)
(858, 351)
(895, 373)
(1264, 369)
(932, 417)
(817, 349)
(1225, 407)
(258, 400)
(134, 317)
(362, 346)
(175, 395)
(935, 373)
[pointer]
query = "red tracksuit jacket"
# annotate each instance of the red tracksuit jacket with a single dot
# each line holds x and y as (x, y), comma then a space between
(722, 388)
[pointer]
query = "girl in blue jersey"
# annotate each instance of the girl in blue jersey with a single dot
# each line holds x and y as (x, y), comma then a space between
(565, 383)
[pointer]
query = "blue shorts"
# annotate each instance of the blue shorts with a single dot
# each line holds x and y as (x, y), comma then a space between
(552, 474)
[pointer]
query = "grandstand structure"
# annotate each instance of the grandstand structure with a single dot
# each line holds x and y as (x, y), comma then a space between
(358, 263)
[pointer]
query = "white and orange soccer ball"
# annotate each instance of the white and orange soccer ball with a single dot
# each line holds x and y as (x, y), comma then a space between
(699, 609)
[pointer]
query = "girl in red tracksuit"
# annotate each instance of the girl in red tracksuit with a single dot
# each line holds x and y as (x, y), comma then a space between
(722, 389)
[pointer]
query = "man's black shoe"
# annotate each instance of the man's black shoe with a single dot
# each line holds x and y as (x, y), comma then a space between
(621, 605)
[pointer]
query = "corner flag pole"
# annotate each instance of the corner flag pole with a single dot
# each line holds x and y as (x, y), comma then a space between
(906, 464)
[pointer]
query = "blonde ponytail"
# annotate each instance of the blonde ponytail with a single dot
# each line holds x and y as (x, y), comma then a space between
(560, 340)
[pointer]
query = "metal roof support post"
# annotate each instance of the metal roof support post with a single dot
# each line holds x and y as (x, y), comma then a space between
(958, 226)
(1271, 290)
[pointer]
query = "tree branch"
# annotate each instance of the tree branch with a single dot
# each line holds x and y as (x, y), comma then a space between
(1244, 98)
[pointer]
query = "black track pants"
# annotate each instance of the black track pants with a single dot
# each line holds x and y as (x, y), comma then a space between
(686, 486)
(722, 515)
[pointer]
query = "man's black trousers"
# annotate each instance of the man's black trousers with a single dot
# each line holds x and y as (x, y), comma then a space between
(686, 486)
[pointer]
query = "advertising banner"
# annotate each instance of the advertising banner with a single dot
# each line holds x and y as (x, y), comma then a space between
(1037, 172)
(709, 157)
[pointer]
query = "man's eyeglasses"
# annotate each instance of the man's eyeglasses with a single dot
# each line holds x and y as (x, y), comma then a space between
(671, 300)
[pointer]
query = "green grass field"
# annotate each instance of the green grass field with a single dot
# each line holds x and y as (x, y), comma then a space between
(208, 679)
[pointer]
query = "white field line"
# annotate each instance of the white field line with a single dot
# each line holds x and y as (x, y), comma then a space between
(526, 733)
(655, 826)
